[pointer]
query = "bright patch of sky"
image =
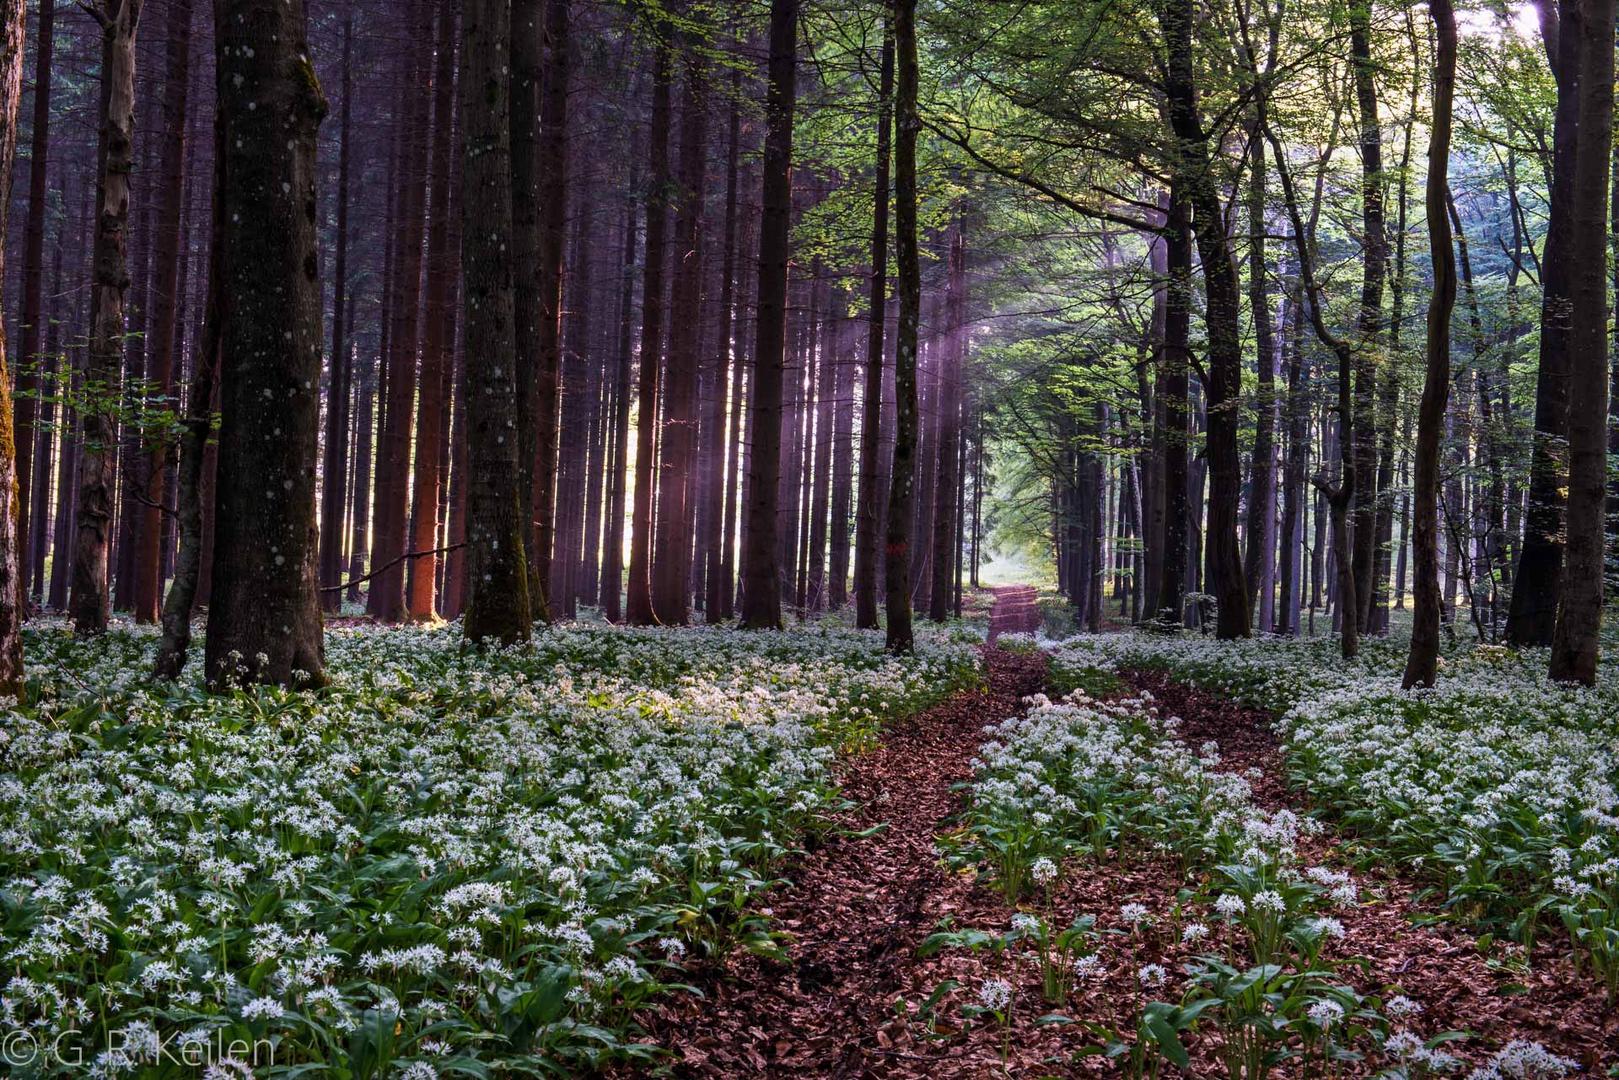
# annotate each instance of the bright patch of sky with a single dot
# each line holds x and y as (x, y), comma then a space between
(1498, 20)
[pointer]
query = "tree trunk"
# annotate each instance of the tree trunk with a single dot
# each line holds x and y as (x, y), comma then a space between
(1369, 321)
(334, 471)
(32, 316)
(12, 581)
(638, 592)
(945, 490)
(110, 280)
(672, 557)
(1171, 398)
(264, 622)
(717, 583)
(897, 572)
(497, 571)
(162, 343)
(1422, 663)
(1533, 612)
(438, 343)
(396, 425)
(1224, 355)
(553, 195)
(869, 512)
(761, 597)
(1576, 638)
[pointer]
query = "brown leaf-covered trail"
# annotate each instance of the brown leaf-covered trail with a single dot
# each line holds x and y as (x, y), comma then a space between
(856, 908)
(1015, 611)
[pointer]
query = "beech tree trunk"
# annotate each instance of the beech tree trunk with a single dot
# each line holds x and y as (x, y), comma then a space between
(1576, 637)
(1223, 298)
(1535, 586)
(497, 605)
(109, 282)
(264, 619)
(897, 570)
(761, 596)
(1422, 662)
(868, 515)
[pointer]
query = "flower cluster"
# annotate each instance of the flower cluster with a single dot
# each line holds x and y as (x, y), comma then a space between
(448, 859)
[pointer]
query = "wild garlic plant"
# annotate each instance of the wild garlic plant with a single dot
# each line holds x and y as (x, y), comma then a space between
(1497, 785)
(449, 859)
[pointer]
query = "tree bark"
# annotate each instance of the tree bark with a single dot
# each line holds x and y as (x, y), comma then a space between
(32, 316)
(552, 174)
(671, 598)
(1533, 611)
(1576, 637)
(264, 620)
(497, 571)
(110, 280)
(638, 592)
(869, 511)
(438, 343)
(761, 597)
(12, 581)
(1422, 662)
(1224, 352)
(162, 342)
(340, 392)
(901, 490)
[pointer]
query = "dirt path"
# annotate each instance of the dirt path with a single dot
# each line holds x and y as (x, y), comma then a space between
(855, 909)
(1015, 611)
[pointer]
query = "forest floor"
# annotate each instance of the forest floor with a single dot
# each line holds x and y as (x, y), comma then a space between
(854, 909)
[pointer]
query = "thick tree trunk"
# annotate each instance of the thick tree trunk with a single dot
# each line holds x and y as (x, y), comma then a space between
(264, 621)
(1422, 663)
(1576, 638)
(1369, 321)
(1224, 352)
(1171, 398)
(869, 512)
(497, 571)
(109, 282)
(1533, 612)
(901, 490)
(761, 596)
(671, 598)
